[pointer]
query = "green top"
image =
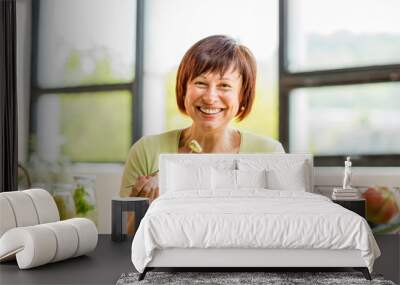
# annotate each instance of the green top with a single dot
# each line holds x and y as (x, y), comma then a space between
(143, 155)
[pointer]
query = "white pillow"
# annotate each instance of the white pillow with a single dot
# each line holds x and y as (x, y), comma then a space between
(282, 173)
(293, 181)
(229, 179)
(182, 177)
(252, 178)
(224, 179)
(296, 182)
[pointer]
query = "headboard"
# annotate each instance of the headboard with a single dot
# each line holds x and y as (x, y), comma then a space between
(286, 171)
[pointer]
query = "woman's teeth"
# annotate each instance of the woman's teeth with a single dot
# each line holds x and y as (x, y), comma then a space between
(210, 110)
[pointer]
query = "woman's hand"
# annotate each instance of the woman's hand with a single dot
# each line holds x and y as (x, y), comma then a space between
(150, 188)
(146, 186)
(136, 189)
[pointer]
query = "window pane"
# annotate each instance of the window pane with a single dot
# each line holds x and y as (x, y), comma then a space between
(85, 42)
(355, 119)
(88, 127)
(175, 25)
(340, 33)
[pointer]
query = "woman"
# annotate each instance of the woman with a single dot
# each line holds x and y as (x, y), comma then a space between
(215, 84)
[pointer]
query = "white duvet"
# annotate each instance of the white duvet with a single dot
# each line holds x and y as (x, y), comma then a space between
(251, 218)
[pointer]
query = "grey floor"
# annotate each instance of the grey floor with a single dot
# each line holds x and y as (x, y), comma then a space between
(102, 266)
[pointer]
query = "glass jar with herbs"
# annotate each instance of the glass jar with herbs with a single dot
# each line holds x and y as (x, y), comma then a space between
(84, 196)
(62, 194)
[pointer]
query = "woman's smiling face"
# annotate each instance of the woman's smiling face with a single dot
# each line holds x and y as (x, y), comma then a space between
(212, 100)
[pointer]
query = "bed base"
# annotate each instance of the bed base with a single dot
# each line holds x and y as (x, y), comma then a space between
(250, 259)
(363, 270)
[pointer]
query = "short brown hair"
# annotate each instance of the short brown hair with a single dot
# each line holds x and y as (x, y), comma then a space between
(216, 54)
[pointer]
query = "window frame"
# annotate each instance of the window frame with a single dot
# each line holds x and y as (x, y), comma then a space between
(134, 87)
(289, 81)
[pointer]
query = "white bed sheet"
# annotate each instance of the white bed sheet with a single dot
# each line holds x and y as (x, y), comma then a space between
(250, 218)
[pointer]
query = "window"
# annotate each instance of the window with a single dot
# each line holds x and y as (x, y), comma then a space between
(171, 27)
(345, 119)
(83, 67)
(339, 73)
(337, 34)
(89, 127)
(328, 78)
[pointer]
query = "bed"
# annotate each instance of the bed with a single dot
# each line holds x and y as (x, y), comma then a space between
(246, 211)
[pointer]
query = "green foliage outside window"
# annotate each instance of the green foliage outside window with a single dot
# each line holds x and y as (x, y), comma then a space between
(95, 127)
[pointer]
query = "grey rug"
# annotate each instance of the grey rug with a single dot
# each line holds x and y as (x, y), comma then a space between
(228, 278)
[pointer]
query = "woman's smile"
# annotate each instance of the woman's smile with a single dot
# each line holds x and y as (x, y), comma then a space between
(210, 112)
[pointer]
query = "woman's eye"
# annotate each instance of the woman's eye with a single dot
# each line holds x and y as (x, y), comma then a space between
(199, 83)
(226, 86)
